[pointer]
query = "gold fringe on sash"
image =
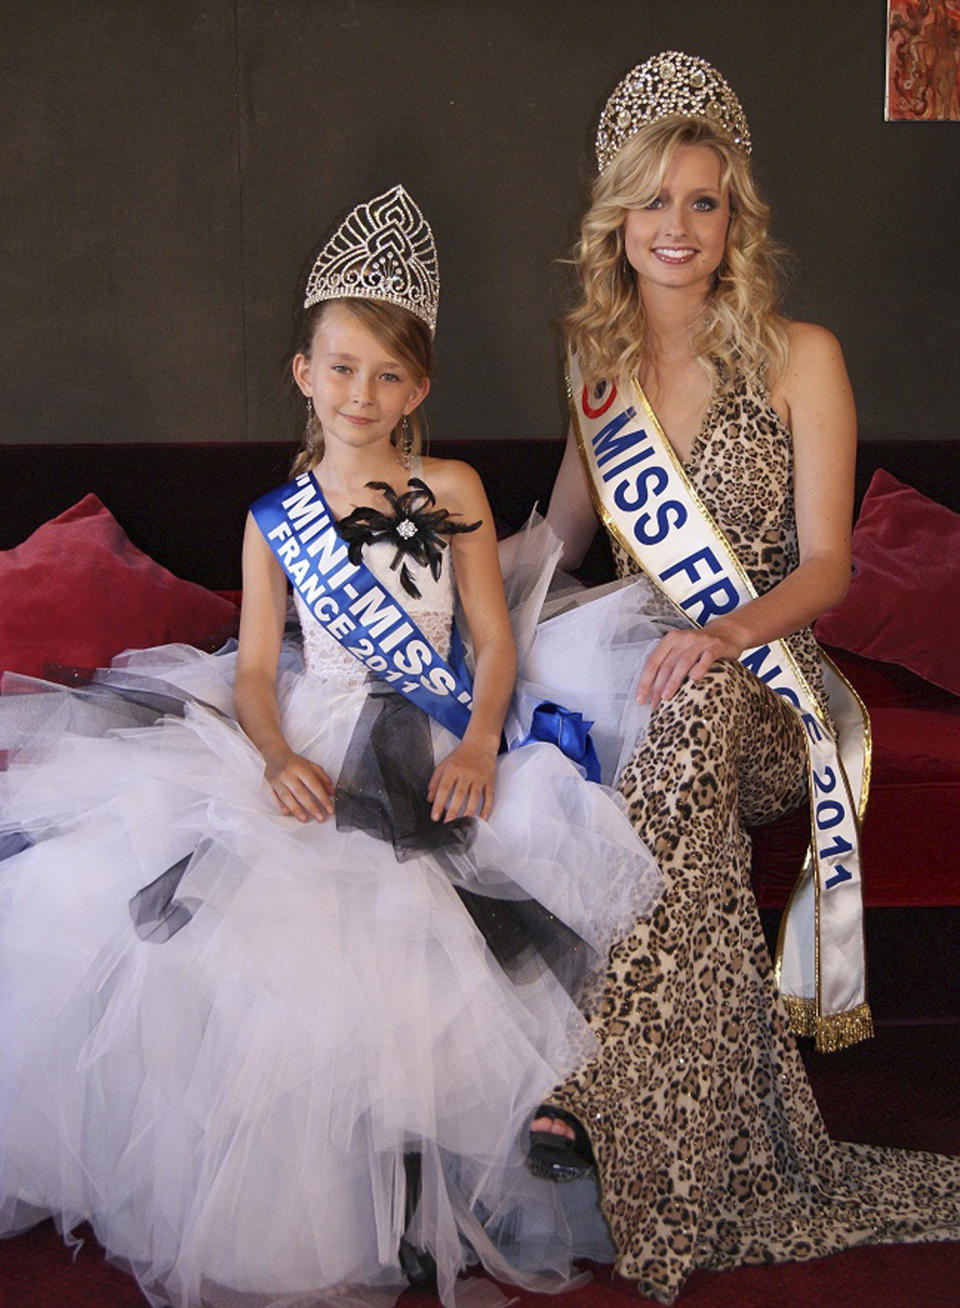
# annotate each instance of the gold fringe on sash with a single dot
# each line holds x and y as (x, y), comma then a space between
(831, 1031)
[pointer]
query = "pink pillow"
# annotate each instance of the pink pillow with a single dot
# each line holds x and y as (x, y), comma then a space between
(903, 605)
(77, 592)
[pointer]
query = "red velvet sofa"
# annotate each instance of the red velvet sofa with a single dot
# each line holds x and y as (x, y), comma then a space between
(184, 505)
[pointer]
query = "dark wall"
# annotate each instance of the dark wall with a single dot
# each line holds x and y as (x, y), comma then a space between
(166, 168)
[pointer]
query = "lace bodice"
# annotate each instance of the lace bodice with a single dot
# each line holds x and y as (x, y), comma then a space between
(432, 612)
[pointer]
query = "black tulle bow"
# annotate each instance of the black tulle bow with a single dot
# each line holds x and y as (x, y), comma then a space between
(415, 527)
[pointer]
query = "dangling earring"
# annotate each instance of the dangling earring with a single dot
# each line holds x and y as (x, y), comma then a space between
(405, 444)
(312, 432)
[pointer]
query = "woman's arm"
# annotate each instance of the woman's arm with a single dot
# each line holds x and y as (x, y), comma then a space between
(571, 513)
(463, 782)
(816, 400)
(300, 787)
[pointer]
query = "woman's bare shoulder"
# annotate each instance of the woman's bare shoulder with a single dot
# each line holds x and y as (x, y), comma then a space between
(815, 366)
(809, 344)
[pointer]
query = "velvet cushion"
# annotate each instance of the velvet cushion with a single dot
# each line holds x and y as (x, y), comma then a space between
(77, 592)
(887, 685)
(903, 605)
(916, 770)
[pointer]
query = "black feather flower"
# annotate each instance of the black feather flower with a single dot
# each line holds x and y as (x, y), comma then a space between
(416, 527)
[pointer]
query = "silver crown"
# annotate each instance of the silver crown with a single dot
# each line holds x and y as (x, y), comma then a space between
(666, 84)
(383, 250)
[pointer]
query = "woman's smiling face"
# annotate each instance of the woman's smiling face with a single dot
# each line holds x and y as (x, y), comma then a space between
(678, 239)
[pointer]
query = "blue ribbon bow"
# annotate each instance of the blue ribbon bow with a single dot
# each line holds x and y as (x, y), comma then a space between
(570, 732)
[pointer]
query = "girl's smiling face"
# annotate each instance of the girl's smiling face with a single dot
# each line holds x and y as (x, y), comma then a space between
(678, 239)
(359, 391)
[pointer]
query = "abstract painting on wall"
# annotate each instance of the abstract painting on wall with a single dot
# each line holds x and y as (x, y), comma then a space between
(923, 60)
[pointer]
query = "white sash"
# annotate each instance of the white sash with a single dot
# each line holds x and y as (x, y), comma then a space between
(647, 503)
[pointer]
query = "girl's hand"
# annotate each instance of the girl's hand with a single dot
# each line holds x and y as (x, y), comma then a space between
(462, 784)
(681, 655)
(301, 788)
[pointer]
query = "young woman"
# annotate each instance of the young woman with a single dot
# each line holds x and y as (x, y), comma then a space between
(276, 1002)
(717, 441)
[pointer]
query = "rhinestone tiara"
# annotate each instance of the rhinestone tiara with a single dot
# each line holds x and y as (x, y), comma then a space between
(669, 83)
(383, 250)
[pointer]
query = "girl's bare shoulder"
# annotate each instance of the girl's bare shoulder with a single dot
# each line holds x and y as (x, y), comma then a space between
(456, 485)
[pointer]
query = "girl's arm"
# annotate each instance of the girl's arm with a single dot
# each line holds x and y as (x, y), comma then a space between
(463, 782)
(818, 404)
(571, 513)
(300, 787)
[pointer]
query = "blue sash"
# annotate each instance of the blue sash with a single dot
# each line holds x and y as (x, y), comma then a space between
(350, 603)
(370, 623)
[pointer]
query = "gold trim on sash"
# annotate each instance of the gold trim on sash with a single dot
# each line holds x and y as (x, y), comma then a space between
(832, 1030)
(851, 690)
(710, 522)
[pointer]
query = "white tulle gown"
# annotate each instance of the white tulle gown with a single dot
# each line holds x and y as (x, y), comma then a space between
(223, 1030)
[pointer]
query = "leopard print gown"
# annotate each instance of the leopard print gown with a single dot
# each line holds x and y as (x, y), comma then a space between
(710, 1149)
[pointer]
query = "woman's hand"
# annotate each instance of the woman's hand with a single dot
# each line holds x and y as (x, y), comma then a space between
(681, 655)
(462, 784)
(301, 788)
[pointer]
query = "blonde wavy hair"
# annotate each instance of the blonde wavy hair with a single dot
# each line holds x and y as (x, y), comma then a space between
(401, 333)
(741, 332)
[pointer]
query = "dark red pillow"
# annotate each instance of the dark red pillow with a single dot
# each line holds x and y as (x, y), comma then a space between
(77, 592)
(903, 605)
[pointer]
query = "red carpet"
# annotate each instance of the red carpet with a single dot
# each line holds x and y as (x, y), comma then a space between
(903, 1089)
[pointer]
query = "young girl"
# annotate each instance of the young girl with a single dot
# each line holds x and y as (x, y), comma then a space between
(276, 1003)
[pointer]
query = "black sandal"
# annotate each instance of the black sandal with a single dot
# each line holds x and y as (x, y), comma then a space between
(417, 1265)
(553, 1157)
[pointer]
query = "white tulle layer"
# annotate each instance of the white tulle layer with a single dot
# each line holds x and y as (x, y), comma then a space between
(230, 1108)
